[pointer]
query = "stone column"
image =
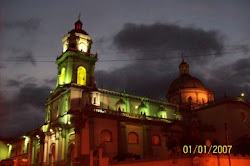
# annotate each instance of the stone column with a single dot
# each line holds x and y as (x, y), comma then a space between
(32, 150)
(91, 134)
(69, 71)
(66, 143)
(147, 148)
(57, 146)
(62, 145)
(91, 162)
(41, 147)
(122, 138)
(45, 154)
(79, 124)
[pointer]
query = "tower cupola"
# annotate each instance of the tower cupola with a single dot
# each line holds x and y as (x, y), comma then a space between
(78, 25)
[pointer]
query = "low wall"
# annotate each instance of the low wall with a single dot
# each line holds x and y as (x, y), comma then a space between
(204, 160)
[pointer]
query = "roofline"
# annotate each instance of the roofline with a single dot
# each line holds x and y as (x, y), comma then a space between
(105, 91)
(222, 101)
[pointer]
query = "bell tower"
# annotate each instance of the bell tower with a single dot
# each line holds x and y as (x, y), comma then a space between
(76, 64)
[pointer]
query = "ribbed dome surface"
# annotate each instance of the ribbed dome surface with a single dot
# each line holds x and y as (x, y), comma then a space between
(185, 81)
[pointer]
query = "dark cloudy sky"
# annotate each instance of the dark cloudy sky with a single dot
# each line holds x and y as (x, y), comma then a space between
(147, 37)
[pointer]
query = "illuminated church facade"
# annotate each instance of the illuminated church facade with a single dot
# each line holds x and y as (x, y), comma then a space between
(86, 125)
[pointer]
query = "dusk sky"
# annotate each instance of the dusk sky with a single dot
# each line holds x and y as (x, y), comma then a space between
(138, 43)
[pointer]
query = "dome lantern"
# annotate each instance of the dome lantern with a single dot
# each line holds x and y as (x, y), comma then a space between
(183, 67)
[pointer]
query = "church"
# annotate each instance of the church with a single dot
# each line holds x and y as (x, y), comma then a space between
(92, 126)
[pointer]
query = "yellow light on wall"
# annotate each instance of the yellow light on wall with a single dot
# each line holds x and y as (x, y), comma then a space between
(62, 76)
(242, 94)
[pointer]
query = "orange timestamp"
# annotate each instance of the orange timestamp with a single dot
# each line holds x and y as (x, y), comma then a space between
(203, 149)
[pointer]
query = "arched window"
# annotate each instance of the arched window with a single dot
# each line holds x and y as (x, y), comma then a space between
(62, 76)
(106, 136)
(156, 140)
(189, 99)
(81, 76)
(133, 138)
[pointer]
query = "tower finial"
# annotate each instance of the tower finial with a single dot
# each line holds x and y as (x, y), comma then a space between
(79, 16)
(183, 67)
(182, 57)
(78, 23)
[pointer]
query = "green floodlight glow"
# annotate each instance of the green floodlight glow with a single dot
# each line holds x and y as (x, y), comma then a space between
(67, 78)
(62, 76)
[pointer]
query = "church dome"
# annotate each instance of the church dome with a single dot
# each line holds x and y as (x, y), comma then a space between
(187, 89)
(185, 81)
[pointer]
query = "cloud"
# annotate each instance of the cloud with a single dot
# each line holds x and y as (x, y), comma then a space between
(142, 79)
(2, 66)
(242, 64)
(23, 55)
(158, 36)
(232, 79)
(151, 78)
(50, 81)
(28, 56)
(27, 26)
(13, 83)
(24, 112)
